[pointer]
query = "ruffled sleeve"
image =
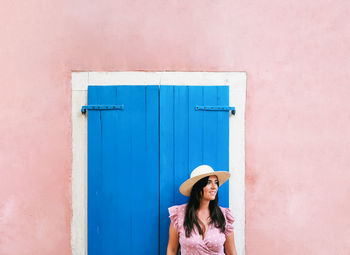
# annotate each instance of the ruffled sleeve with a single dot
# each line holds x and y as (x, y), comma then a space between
(229, 221)
(173, 215)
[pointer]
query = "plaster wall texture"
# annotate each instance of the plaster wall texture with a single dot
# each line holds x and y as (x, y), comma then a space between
(295, 53)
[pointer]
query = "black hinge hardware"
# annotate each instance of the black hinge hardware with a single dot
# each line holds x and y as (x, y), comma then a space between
(101, 107)
(216, 108)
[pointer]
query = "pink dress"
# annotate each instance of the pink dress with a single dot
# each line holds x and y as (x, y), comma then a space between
(213, 242)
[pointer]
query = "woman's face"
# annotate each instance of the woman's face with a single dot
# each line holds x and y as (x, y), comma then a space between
(210, 190)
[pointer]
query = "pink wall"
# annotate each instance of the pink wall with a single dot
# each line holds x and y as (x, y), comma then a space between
(296, 55)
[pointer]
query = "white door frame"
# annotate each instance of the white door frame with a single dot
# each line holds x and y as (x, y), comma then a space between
(237, 90)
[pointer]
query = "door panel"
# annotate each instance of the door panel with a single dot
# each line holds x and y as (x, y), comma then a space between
(123, 171)
(189, 138)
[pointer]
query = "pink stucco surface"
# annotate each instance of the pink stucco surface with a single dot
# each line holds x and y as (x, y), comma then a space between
(296, 55)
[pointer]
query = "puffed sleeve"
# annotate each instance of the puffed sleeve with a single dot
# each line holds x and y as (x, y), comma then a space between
(229, 221)
(173, 215)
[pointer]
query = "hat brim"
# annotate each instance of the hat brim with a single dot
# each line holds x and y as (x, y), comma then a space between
(186, 187)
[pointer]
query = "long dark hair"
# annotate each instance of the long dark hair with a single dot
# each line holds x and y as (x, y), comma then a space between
(191, 219)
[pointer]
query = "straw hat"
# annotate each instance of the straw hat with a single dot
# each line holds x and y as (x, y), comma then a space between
(199, 173)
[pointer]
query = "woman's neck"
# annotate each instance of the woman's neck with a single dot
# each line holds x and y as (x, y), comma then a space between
(204, 205)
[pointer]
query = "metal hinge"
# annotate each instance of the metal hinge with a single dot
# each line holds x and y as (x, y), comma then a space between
(101, 107)
(216, 108)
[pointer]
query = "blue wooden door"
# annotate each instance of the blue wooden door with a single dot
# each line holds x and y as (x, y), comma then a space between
(139, 156)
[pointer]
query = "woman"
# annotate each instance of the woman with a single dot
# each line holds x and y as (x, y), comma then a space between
(201, 227)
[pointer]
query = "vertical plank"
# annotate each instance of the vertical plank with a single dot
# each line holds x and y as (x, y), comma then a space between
(94, 173)
(167, 180)
(117, 209)
(137, 176)
(108, 179)
(152, 163)
(210, 124)
(195, 128)
(222, 153)
(181, 139)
